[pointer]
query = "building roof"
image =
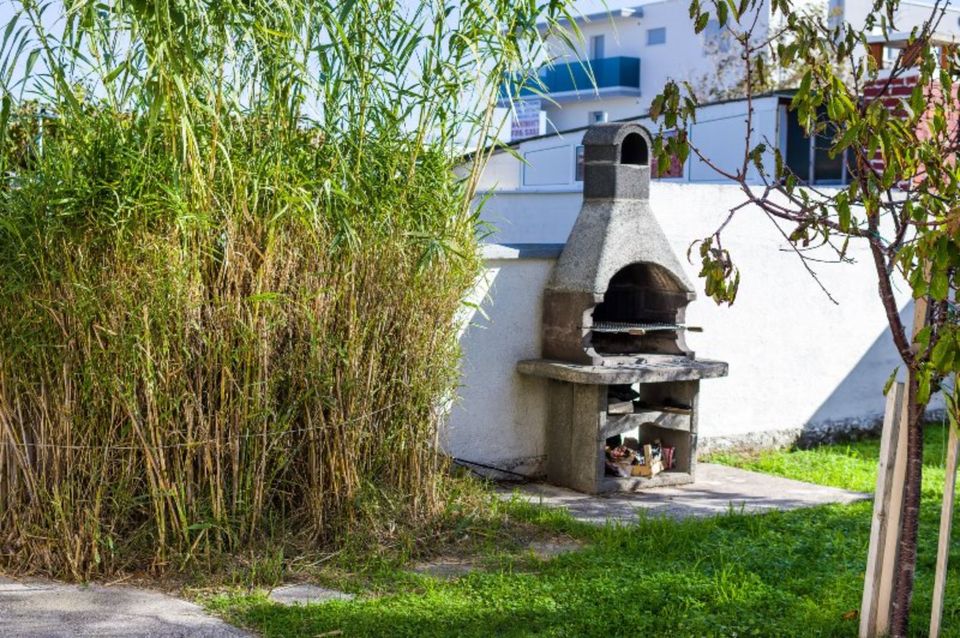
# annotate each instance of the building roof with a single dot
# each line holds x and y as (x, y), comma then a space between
(592, 11)
(902, 39)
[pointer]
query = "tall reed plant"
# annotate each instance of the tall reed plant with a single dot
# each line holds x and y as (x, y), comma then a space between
(232, 251)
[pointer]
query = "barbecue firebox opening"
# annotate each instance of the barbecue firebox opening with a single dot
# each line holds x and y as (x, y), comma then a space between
(633, 150)
(641, 311)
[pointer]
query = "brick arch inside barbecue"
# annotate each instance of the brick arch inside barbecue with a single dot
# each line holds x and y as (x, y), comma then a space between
(640, 294)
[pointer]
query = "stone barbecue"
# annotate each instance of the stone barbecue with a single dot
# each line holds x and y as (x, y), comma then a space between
(622, 379)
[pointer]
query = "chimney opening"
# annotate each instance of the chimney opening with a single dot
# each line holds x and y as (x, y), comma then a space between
(633, 150)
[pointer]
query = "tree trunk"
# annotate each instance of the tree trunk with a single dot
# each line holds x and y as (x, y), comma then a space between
(907, 548)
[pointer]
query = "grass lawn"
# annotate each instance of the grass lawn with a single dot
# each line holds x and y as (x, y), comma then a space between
(779, 574)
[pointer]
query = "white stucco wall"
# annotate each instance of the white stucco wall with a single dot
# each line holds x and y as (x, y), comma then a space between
(797, 360)
(499, 417)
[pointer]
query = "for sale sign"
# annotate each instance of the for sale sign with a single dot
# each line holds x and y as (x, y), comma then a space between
(528, 119)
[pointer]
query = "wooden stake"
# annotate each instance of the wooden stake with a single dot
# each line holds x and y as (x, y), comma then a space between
(946, 524)
(885, 528)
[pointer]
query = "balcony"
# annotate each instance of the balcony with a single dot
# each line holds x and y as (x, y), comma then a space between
(571, 81)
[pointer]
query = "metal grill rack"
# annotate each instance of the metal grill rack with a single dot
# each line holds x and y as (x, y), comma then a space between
(641, 328)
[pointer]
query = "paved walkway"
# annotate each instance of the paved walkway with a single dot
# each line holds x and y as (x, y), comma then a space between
(716, 490)
(44, 609)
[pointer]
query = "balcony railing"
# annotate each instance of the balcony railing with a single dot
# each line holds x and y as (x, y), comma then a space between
(619, 75)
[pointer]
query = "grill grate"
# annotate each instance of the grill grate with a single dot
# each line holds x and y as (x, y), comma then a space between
(639, 328)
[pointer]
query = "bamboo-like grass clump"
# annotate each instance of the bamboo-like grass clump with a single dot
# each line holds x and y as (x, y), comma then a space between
(233, 249)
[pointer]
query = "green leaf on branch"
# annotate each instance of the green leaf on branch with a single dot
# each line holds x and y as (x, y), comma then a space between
(924, 384)
(682, 149)
(939, 285)
(734, 9)
(843, 212)
(918, 284)
(663, 163)
(849, 137)
(923, 337)
(756, 156)
(701, 22)
(944, 353)
(656, 107)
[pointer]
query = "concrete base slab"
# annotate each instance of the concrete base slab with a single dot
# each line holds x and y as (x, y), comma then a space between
(304, 594)
(716, 490)
(45, 609)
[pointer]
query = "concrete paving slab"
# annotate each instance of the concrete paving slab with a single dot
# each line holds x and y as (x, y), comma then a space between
(546, 550)
(45, 609)
(716, 490)
(445, 567)
(453, 567)
(302, 594)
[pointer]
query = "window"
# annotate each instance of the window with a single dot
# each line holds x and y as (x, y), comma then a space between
(809, 158)
(597, 117)
(826, 169)
(596, 47)
(657, 36)
(578, 164)
(890, 56)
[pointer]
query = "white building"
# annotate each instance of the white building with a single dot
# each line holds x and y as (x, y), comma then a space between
(632, 52)
(909, 14)
(634, 48)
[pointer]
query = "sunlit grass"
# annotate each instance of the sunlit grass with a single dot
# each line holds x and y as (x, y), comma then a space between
(793, 573)
(851, 466)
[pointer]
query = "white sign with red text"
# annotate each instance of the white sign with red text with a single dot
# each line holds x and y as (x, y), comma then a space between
(528, 119)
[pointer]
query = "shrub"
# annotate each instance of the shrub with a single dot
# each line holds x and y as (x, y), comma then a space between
(230, 269)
